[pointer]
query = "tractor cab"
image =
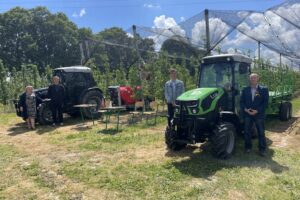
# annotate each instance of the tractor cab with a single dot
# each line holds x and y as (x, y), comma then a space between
(229, 72)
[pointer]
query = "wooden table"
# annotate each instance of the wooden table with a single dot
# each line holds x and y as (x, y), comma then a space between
(82, 106)
(110, 110)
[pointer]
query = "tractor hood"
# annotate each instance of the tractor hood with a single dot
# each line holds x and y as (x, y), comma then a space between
(196, 94)
(42, 92)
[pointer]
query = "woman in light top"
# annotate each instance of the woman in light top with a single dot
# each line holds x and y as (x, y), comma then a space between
(28, 105)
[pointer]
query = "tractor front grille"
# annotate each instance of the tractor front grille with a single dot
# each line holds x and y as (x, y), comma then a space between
(193, 103)
(184, 108)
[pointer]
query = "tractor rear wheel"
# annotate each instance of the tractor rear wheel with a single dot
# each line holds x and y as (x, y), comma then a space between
(284, 111)
(44, 116)
(223, 140)
(170, 139)
(92, 97)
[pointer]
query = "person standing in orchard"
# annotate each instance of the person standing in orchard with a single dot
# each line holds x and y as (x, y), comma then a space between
(173, 89)
(28, 106)
(56, 93)
(253, 102)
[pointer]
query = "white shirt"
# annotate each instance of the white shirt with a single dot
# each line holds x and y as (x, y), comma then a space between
(253, 90)
(173, 90)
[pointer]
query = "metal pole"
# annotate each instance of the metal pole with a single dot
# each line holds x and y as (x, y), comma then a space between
(280, 61)
(258, 53)
(207, 31)
(139, 58)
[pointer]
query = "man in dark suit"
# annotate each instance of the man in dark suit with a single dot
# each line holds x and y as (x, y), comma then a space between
(253, 102)
(56, 93)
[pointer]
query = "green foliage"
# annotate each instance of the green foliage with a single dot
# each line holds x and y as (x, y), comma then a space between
(276, 77)
(3, 84)
(35, 36)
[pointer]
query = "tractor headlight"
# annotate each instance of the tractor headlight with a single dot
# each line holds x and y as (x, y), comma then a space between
(194, 111)
(177, 110)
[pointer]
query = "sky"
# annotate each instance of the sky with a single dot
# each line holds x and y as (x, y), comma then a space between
(101, 14)
(167, 15)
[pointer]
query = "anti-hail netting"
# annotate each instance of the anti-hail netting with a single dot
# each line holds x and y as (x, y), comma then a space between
(277, 29)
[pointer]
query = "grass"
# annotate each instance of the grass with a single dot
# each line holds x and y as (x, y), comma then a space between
(194, 175)
(92, 140)
(9, 119)
(134, 164)
(296, 105)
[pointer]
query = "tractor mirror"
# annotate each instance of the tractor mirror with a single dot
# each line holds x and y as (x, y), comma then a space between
(243, 68)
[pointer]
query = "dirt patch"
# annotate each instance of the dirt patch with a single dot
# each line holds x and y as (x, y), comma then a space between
(236, 195)
(285, 141)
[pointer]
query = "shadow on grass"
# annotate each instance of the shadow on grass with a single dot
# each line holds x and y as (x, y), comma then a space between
(21, 128)
(273, 124)
(203, 165)
(82, 127)
(18, 128)
(110, 131)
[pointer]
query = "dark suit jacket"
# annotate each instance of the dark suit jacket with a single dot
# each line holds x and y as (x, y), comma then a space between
(259, 103)
(56, 93)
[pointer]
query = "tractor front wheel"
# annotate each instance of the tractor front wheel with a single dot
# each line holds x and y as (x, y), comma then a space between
(44, 116)
(170, 139)
(223, 140)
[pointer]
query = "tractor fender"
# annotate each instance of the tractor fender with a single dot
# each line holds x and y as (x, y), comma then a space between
(228, 116)
(87, 90)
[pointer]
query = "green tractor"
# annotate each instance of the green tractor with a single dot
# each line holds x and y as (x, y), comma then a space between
(212, 111)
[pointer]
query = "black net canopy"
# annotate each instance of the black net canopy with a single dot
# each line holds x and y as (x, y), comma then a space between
(276, 31)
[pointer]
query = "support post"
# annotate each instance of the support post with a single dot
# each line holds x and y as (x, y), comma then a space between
(208, 50)
(280, 61)
(140, 63)
(258, 53)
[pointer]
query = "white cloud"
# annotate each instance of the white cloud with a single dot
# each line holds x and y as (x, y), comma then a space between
(271, 30)
(182, 18)
(130, 35)
(165, 28)
(151, 6)
(234, 51)
(217, 29)
(81, 13)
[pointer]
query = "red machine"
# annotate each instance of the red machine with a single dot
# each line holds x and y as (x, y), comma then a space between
(122, 95)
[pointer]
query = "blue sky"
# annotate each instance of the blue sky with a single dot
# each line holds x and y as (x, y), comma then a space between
(101, 14)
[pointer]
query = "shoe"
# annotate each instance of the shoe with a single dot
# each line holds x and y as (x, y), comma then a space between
(61, 124)
(263, 153)
(247, 151)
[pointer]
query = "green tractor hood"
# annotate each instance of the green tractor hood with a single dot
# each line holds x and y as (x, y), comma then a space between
(196, 94)
(199, 101)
